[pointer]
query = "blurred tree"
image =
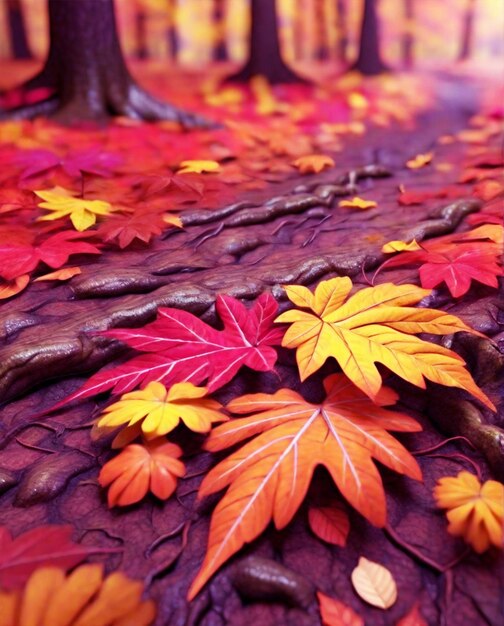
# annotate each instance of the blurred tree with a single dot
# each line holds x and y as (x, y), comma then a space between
(322, 49)
(369, 61)
(219, 19)
(173, 42)
(265, 57)
(341, 27)
(86, 69)
(467, 31)
(19, 43)
(407, 38)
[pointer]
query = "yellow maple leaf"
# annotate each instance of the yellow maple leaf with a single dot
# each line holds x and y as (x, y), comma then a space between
(63, 203)
(198, 167)
(421, 160)
(374, 325)
(82, 598)
(400, 246)
(475, 510)
(313, 163)
(155, 411)
(358, 203)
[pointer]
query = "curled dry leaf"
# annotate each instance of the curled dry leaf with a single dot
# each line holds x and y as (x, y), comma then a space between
(140, 468)
(330, 523)
(156, 411)
(336, 613)
(357, 203)
(313, 163)
(374, 584)
(475, 511)
(82, 598)
(269, 476)
(63, 203)
(374, 325)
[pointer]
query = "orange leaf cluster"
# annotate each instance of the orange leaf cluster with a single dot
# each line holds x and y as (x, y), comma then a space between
(475, 511)
(82, 598)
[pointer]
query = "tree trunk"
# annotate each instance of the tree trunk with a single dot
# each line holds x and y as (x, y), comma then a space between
(407, 39)
(467, 31)
(265, 57)
(342, 31)
(141, 34)
(19, 43)
(219, 16)
(322, 49)
(173, 43)
(369, 61)
(86, 69)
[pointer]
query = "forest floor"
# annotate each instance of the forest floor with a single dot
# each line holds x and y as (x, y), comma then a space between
(426, 156)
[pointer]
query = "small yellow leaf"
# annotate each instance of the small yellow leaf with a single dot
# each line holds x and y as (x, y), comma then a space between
(198, 167)
(63, 203)
(63, 274)
(313, 163)
(400, 246)
(358, 203)
(173, 220)
(357, 101)
(374, 584)
(421, 160)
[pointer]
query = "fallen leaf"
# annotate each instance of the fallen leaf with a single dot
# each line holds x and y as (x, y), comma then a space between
(400, 246)
(63, 203)
(156, 411)
(374, 325)
(475, 511)
(357, 203)
(198, 167)
(42, 546)
(140, 468)
(330, 523)
(374, 584)
(421, 160)
(124, 229)
(180, 347)
(335, 613)
(269, 476)
(82, 598)
(12, 287)
(412, 618)
(313, 163)
(64, 274)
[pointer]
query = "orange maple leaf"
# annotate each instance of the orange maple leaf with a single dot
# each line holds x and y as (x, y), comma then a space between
(269, 476)
(153, 466)
(82, 598)
(374, 325)
(475, 510)
(421, 160)
(313, 163)
(358, 203)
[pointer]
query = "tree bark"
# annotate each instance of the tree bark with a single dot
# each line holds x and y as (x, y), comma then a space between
(265, 57)
(322, 49)
(342, 31)
(219, 16)
(86, 69)
(19, 43)
(407, 39)
(173, 43)
(369, 61)
(467, 31)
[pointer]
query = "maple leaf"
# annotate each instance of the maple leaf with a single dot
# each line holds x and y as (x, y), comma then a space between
(180, 347)
(62, 202)
(358, 203)
(313, 163)
(456, 259)
(198, 167)
(154, 411)
(269, 476)
(18, 258)
(475, 510)
(374, 584)
(41, 546)
(374, 325)
(400, 246)
(171, 183)
(330, 523)
(138, 225)
(82, 598)
(138, 469)
(13, 286)
(93, 161)
(335, 613)
(420, 160)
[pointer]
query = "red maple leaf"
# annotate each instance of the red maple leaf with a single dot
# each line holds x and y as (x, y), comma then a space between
(180, 347)
(92, 161)
(124, 229)
(39, 547)
(21, 257)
